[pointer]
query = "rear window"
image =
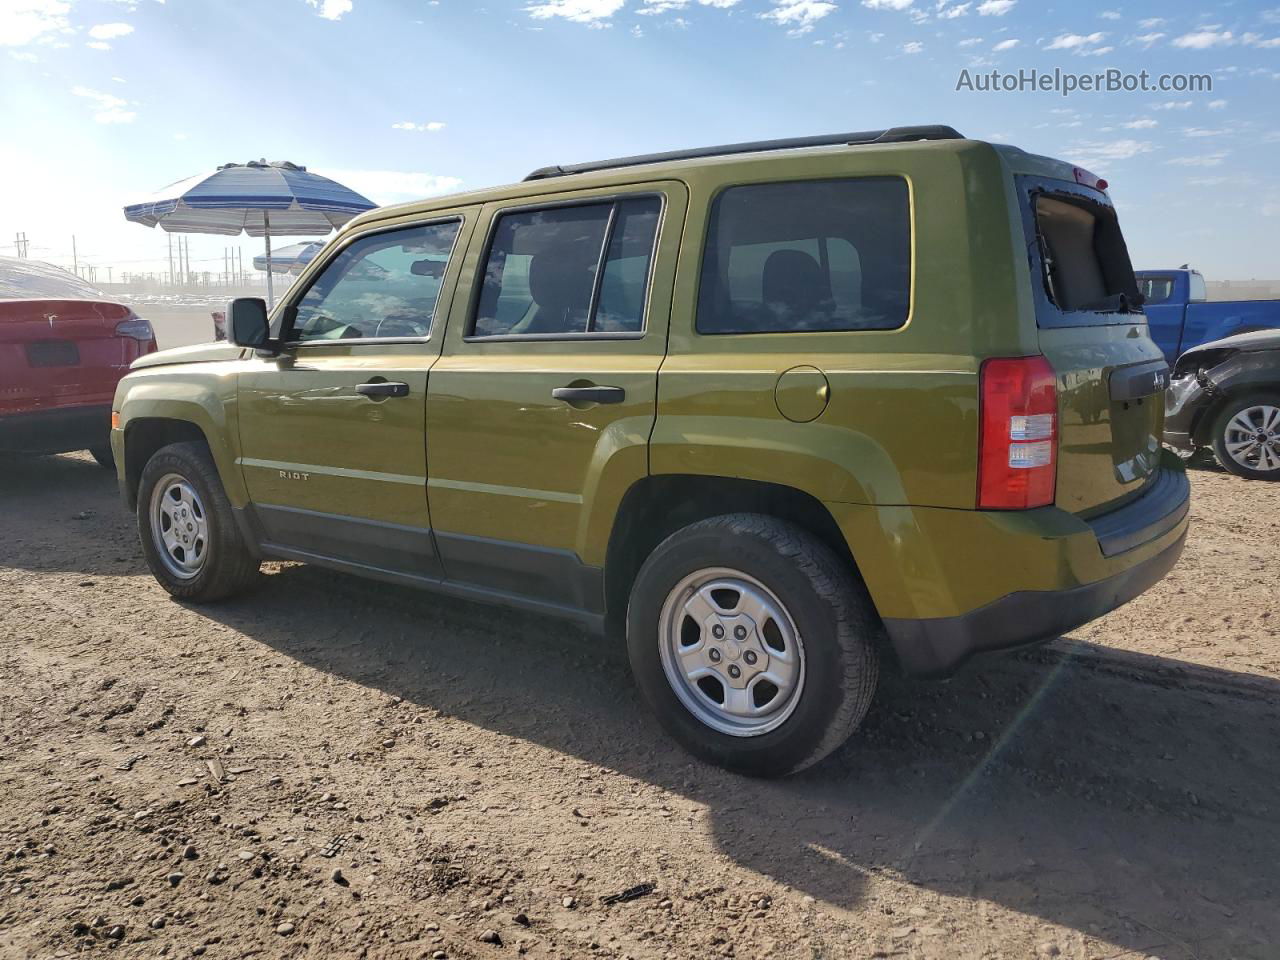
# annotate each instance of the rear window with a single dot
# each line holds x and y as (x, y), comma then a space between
(807, 256)
(1083, 261)
(1155, 289)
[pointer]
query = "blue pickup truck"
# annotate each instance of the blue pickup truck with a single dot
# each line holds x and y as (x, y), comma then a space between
(1179, 317)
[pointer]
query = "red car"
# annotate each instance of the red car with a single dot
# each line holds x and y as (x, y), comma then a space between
(63, 348)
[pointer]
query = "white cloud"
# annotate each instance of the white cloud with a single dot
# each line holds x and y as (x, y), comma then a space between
(430, 126)
(331, 9)
(799, 15)
(1110, 151)
(1110, 14)
(1201, 132)
(26, 21)
(98, 45)
(1148, 40)
(1217, 104)
(394, 186)
(1005, 45)
(914, 46)
(663, 6)
(887, 4)
(1150, 23)
(946, 12)
(1174, 105)
(1075, 41)
(1201, 160)
(1204, 39)
(110, 109)
(1272, 15)
(1145, 123)
(969, 42)
(576, 11)
(996, 8)
(110, 31)
(1257, 40)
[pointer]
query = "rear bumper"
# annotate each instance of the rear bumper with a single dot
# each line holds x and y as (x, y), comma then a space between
(949, 584)
(56, 431)
(936, 647)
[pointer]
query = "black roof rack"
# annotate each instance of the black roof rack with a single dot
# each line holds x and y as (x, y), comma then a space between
(892, 135)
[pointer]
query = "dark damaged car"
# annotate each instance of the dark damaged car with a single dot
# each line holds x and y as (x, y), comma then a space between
(1225, 396)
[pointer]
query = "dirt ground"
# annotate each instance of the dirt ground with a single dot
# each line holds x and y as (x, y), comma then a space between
(334, 767)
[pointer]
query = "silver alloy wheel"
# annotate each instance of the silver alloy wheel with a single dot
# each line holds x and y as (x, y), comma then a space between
(1252, 437)
(731, 652)
(179, 526)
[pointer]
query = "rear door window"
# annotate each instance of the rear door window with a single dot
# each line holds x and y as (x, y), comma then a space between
(817, 255)
(569, 270)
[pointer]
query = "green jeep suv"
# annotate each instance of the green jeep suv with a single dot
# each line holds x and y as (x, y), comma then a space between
(773, 411)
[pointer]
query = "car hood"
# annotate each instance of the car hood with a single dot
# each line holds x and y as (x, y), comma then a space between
(1256, 340)
(198, 353)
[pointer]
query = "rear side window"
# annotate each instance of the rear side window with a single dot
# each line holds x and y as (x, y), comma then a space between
(1083, 258)
(1197, 292)
(811, 255)
(569, 270)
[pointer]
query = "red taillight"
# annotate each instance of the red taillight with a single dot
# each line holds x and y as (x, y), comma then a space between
(1018, 442)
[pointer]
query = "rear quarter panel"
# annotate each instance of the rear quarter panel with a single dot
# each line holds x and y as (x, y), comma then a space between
(1212, 321)
(901, 423)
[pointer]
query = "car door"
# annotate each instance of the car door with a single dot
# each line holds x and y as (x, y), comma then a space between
(332, 429)
(540, 408)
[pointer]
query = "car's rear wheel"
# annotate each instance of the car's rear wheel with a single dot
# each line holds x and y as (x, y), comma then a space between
(188, 531)
(753, 643)
(1246, 436)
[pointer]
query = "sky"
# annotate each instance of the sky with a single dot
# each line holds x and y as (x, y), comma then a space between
(103, 102)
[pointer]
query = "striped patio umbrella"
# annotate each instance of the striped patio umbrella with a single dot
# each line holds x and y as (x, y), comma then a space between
(258, 198)
(290, 259)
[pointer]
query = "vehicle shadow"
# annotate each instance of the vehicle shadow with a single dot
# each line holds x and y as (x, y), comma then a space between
(1128, 797)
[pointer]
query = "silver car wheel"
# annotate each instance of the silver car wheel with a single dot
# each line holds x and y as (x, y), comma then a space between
(1252, 437)
(731, 652)
(179, 526)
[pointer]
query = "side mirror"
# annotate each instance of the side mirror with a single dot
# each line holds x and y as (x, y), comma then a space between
(247, 324)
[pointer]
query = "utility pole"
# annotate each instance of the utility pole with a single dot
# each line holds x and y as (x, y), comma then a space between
(170, 238)
(20, 241)
(75, 260)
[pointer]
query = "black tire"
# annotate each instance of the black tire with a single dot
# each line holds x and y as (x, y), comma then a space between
(229, 566)
(832, 612)
(1228, 411)
(104, 455)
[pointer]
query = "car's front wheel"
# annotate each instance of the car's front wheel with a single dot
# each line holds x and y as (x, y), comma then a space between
(753, 643)
(188, 531)
(1246, 436)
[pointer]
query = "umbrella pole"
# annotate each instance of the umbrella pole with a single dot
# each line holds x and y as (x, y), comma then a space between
(271, 294)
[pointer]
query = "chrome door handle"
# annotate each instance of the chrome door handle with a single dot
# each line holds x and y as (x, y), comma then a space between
(383, 388)
(589, 394)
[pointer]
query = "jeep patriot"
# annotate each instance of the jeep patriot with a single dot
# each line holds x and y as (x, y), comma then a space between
(772, 411)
